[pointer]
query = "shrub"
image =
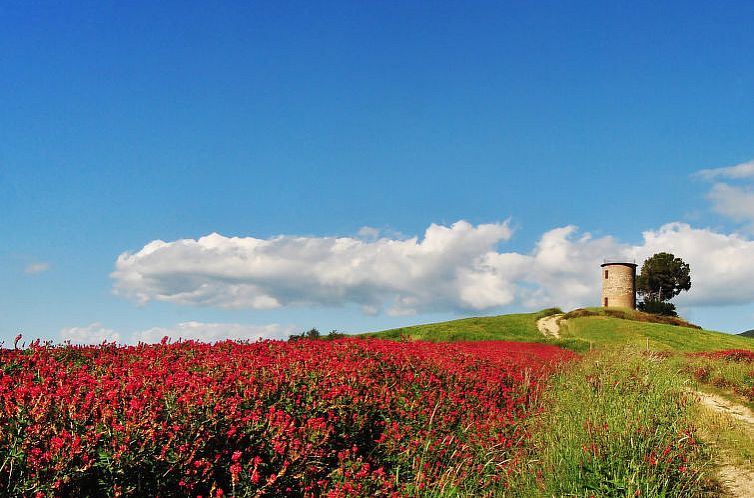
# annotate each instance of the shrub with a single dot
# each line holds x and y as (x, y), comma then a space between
(656, 307)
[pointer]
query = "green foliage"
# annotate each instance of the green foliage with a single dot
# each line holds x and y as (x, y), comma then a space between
(663, 276)
(334, 334)
(628, 314)
(312, 333)
(657, 307)
(619, 423)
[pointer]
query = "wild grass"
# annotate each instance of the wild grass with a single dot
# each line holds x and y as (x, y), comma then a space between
(581, 331)
(623, 421)
(603, 330)
(731, 379)
(629, 314)
(619, 423)
(728, 436)
(515, 327)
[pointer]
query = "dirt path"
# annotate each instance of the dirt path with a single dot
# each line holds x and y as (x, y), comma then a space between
(549, 325)
(722, 405)
(739, 481)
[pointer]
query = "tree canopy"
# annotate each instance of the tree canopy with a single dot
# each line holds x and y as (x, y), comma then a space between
(663, 276)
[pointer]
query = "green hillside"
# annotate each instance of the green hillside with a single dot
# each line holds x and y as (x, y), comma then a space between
(605, 330)
(519, 327)
(748, 333)
(594, 327)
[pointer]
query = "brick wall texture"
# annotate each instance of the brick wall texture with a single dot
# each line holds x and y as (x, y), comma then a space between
(619, 285)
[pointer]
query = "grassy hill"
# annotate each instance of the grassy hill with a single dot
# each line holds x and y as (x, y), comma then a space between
(581, 330)
(748, 333)
(518, 327)
(602, 329)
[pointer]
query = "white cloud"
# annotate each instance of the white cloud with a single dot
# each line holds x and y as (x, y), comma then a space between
(734, 202)
(205, 332)
(458, 267)
(211, 332)
(406, 275)
(721, 269)
(91, 334)
(36, 268)
(743, 170)
(369, 233)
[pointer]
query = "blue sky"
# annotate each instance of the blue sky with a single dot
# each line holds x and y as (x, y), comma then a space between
(294, 123)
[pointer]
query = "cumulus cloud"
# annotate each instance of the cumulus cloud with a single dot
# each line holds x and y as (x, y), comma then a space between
(211, 332)
(91, 334)
(404, 275)
(460, 267)
(36, 268)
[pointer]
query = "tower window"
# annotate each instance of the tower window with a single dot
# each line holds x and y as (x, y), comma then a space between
(605, 274)
(605, 302)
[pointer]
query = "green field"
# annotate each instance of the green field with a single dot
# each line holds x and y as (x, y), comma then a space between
(623, 421)
(518, 327)
(580, 334)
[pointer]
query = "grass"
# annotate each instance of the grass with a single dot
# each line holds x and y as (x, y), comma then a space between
(592, 327)
(731, 379)
(728, 436)
(624, 419)
(604, 330)
(629, 314)
(518, 327)
(619, 423)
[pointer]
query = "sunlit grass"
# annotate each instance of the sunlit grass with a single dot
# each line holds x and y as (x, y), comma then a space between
(619, 423)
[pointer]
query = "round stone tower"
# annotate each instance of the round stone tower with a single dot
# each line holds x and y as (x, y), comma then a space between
(618, 284)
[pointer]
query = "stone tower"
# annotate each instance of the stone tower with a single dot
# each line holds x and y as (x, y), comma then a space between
(618, 284)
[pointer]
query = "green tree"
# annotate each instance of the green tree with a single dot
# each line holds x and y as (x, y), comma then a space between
(663, 276)
(310, 334)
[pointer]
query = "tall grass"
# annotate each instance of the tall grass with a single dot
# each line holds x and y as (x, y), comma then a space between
(725, 376)
(619, 423)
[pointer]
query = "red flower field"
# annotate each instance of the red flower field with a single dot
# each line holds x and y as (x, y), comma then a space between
(740, 380)
(349, 417)
(740, 355)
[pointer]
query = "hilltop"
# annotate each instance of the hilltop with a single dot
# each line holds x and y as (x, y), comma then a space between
(748, 333)
(580, 330)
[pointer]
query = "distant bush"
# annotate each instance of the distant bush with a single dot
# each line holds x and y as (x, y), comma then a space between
(549, 312)
(334, 334)
(637, 316)
(579, 313)
(656, 307)
(623, 315)
(314, 334)
(309, 334)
